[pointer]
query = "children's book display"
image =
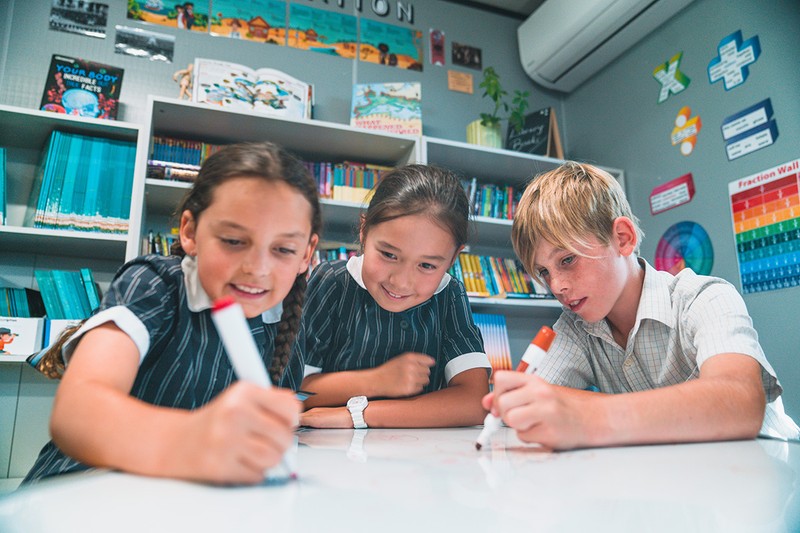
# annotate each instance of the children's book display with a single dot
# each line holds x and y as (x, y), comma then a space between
(67, 294)
(20, 336)
(391, 107)
(84, 88)
(264, 90)
(484, 276)
(495, 339)
(83, 184)
(491, 200)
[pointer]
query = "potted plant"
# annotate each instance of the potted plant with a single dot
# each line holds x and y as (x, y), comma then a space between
(486, 131)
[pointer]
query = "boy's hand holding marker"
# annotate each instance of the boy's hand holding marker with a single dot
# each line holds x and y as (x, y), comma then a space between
(530, 361)
(275, 433)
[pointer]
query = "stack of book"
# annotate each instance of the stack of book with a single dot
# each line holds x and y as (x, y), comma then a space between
(328, 252)
(495, 339)
(347, 181)
(160, 243)
(83, 183)
(178, 159)
(67, 294)
(21, 303)
(496, 277)
(490, 200)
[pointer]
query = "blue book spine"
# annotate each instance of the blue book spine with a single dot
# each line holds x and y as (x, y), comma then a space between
(91, 289)
(3, 193)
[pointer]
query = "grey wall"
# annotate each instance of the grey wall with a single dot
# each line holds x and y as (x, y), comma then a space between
(445, 113)
(615, 119)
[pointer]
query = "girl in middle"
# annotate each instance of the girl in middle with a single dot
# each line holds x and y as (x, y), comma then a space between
(388, 337)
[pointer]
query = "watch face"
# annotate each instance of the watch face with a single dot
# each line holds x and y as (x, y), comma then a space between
(357, 402)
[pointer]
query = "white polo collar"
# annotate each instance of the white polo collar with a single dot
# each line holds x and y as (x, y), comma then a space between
(356, 263)
(198, 300)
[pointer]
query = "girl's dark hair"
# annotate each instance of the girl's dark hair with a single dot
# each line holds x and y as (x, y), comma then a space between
(265, 161)
(420, 189)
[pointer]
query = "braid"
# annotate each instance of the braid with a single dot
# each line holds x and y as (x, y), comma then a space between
(287, 327)
(52, 362)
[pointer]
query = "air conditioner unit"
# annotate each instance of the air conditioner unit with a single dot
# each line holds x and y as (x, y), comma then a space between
(564, 42)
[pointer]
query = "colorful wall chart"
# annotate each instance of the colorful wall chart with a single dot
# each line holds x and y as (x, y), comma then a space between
(685, 245)
(766, 224)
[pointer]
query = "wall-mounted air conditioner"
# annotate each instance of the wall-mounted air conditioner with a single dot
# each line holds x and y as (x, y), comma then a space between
(564, 42)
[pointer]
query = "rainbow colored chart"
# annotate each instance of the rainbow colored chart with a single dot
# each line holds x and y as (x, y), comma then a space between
(685, 245)
(766, 223)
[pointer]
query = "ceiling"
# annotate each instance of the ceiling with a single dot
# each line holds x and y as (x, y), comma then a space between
(516, 8)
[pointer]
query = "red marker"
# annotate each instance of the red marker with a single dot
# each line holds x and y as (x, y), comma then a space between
(531, 360)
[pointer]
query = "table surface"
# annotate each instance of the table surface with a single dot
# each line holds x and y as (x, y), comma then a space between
(399, 480)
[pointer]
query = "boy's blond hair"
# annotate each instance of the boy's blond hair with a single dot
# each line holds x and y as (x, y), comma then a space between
(566, 206)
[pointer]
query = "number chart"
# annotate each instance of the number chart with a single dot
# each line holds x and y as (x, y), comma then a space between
(766, 224)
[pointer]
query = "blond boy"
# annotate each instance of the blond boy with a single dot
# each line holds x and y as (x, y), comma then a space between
(676, 358)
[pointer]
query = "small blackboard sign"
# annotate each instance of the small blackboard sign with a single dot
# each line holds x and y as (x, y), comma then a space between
(534, 136)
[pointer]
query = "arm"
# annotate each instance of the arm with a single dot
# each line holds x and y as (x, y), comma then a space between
(401, 376)
(234, 438)
(726, 402)
(456, 405)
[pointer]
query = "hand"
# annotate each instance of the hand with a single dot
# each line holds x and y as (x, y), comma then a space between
(327, 418)
(404, 375)
(539, 412)
(238, 435)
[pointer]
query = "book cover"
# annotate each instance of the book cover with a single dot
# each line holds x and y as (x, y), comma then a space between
(20, 336)
(264, 90)
(391, 107)
(84, 88)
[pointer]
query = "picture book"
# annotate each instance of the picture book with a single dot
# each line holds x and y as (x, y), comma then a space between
(392, 107)
(263, 90)
(20, 336)
(83, 88)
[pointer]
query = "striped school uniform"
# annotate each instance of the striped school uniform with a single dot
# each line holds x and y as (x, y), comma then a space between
(159, 303)
(344, 328)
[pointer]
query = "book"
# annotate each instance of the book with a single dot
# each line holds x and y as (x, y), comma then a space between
(84, 88)
(495, 339)
(264, 90)
(391, 107)
(539, 135)
(20, 336)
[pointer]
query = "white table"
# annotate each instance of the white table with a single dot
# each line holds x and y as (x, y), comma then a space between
(435, 481)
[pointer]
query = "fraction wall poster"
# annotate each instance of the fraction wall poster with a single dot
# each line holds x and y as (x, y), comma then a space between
(765, 208)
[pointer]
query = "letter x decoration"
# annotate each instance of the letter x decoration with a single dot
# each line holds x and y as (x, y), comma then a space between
(735, 55)
(670, 77)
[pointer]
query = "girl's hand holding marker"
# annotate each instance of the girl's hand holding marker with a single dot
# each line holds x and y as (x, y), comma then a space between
(530, 361)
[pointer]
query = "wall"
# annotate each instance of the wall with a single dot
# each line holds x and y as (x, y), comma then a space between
(615, 119)
(445, 113)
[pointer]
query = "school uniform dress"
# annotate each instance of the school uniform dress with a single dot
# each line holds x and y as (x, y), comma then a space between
(681, 321)
(344, 328)
(159, 303)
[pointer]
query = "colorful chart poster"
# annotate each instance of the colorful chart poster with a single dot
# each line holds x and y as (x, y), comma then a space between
(327, 32)
(685, 245)
(390, 45)
(262, 21)
(187, 16)
(765, 209)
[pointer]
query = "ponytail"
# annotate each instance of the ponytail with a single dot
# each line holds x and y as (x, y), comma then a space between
(51, 362)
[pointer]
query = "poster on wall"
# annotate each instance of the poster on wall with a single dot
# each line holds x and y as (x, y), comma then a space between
(85, 18)
(765, 210)
(685, 245)
(187, 15)
(467, 56)
(670, 77)
(327, 32)
(672, 194)
(390, 45)
(749, 130)
(686, 129)
(261, 21)
(437, 47)
(732, 63)
(145, 44)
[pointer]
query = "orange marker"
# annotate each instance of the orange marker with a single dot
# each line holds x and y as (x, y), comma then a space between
(531, 360)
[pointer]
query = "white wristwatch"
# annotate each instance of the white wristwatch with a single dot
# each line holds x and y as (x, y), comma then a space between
(356, 406)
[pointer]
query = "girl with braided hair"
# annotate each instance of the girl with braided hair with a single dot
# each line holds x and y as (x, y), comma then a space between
(148, 388)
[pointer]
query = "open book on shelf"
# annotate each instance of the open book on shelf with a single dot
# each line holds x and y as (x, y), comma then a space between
(264, 90)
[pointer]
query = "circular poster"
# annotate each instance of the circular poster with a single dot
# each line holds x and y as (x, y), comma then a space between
(685, 245)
